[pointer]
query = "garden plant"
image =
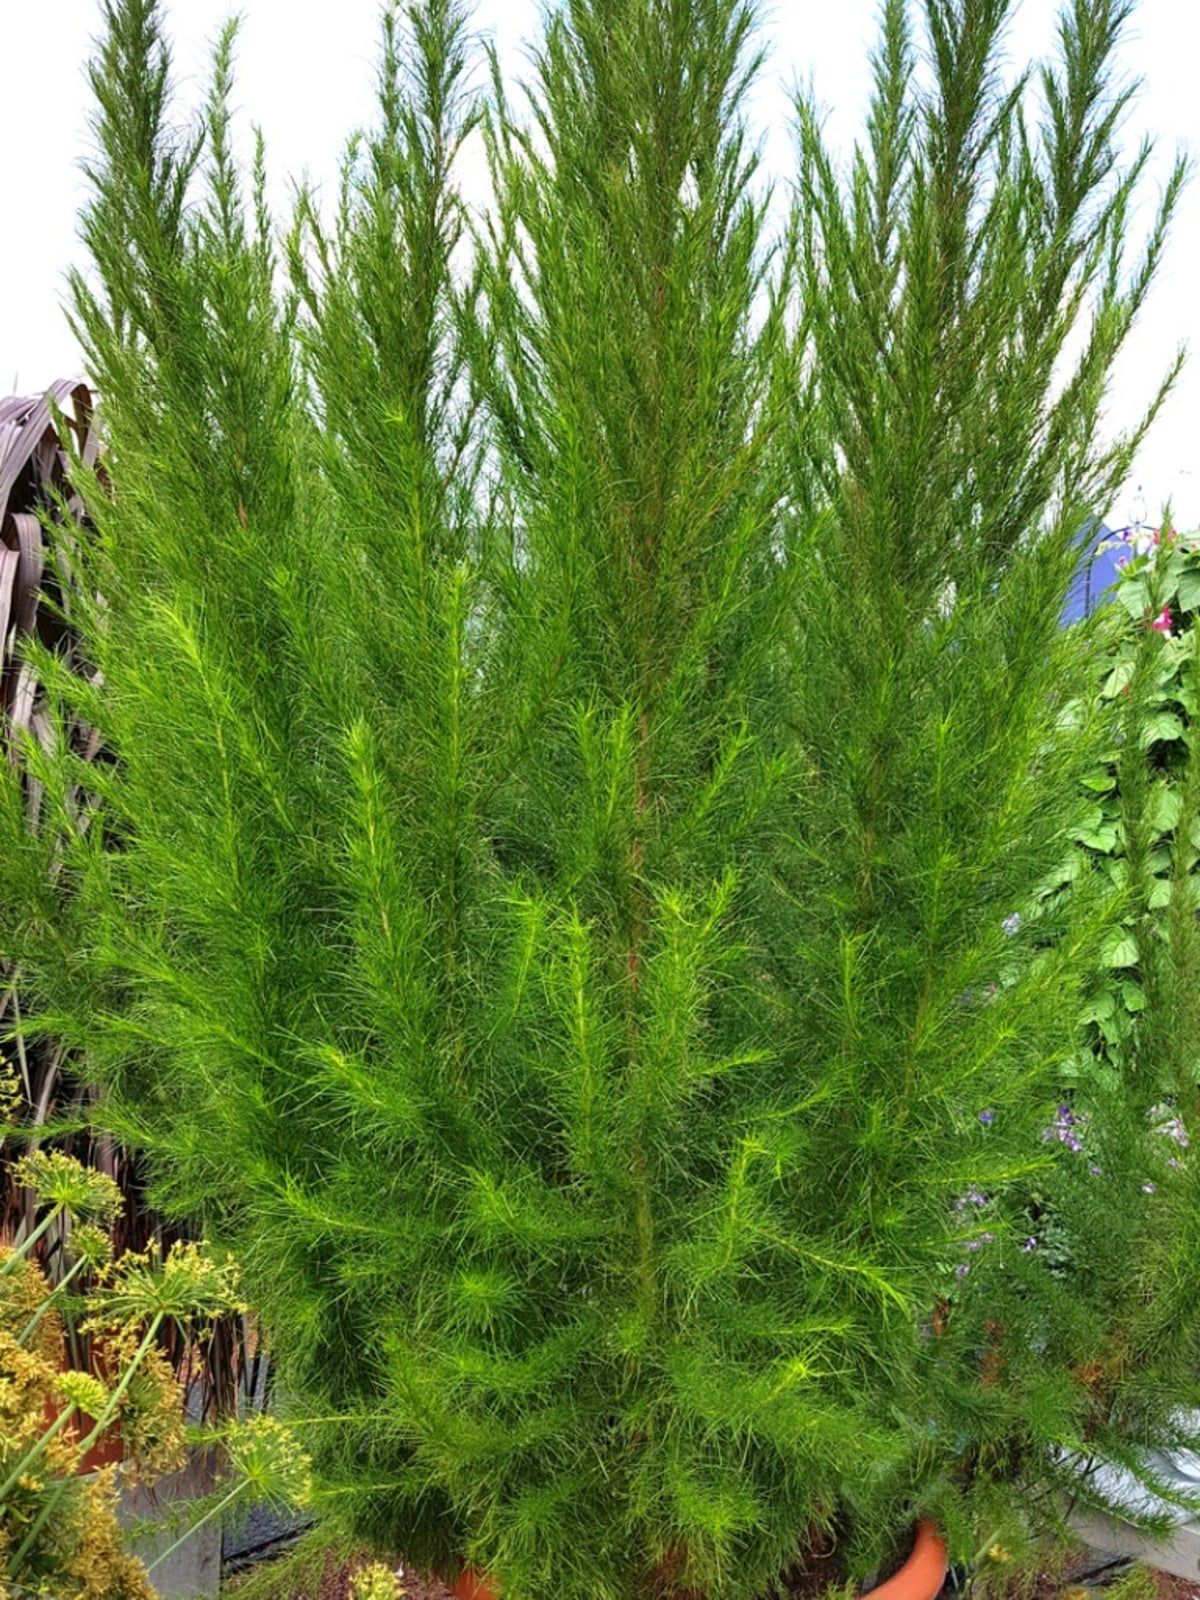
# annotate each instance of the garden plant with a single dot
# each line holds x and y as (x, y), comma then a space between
(72, 1430)
(571, 901)
(43, 1100)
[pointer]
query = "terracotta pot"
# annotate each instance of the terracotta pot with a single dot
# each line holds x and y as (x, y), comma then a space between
(473, 1585)
(108, 1449)
(920, 1578)
(923, 1574)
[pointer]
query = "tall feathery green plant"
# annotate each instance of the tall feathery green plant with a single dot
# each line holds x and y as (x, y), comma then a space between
(587, 703)
(969, 283)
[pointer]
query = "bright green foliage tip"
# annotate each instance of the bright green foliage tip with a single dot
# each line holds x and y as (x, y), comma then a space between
(586, 701)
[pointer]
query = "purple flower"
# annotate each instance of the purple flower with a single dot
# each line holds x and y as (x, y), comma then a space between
(1012, 924)
(962, 1269)
(1063, 1128)
(1030, 1244)
(978, 1244)
(987, 1117)
(1149, 1188)
(1096, 1172)
(973, 1197)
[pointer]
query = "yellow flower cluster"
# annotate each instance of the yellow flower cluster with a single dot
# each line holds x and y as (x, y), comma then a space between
(151, 1418)
(10, 1091)
(99, 1567)
(82, 1390)
(375, 1582)
(60, 1180)
(190, 1285)
(91, 1245)
(265, 1454)
(23, 1291)
(70, 1525)
(51, 1520)
(82, 1541)
(28, 1377)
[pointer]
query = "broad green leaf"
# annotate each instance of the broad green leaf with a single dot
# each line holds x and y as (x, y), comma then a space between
(1161, 728)
(1101, 781)
(1098, 1007)
(1102, 839)
(1120, 949)
(1134, 595)
(1118, 679)
(1133, 995)
(1163, 808)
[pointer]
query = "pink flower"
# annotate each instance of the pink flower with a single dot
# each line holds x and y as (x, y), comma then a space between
(1162, 622)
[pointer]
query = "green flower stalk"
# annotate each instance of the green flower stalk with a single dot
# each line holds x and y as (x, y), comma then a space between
(70, 1189)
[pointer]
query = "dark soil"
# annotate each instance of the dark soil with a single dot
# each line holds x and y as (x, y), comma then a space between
(1090, 1575)
(1172, 1588)
(326, 1577)
(820, 1571)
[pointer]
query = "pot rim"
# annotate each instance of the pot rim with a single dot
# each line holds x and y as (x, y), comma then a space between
(920, 1578)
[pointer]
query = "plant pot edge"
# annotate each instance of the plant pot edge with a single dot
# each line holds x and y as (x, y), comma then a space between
(920, 1578)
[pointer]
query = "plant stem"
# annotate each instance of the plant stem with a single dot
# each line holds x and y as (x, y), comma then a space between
(213, 1511)
(27, 1244)
(35, 1451)
(102, 1422)
(118, 1393)
(31, 1326)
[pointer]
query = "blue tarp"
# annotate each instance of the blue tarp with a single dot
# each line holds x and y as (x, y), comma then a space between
(1098, 571)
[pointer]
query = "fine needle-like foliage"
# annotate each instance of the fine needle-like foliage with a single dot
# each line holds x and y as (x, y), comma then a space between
(590, 734)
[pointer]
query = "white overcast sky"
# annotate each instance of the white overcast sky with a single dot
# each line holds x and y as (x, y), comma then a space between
(305, 74)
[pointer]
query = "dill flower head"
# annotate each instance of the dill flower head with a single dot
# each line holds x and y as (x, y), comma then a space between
(27, 1382)
(91, 1245)
(265, 1453)
(10, 1091)
(153, 1424)
(60, 1180)
(150, 1416)
(84, 1391)
(100, 1564)
(189, 1285)
(23, 1291)
(375, 1582)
